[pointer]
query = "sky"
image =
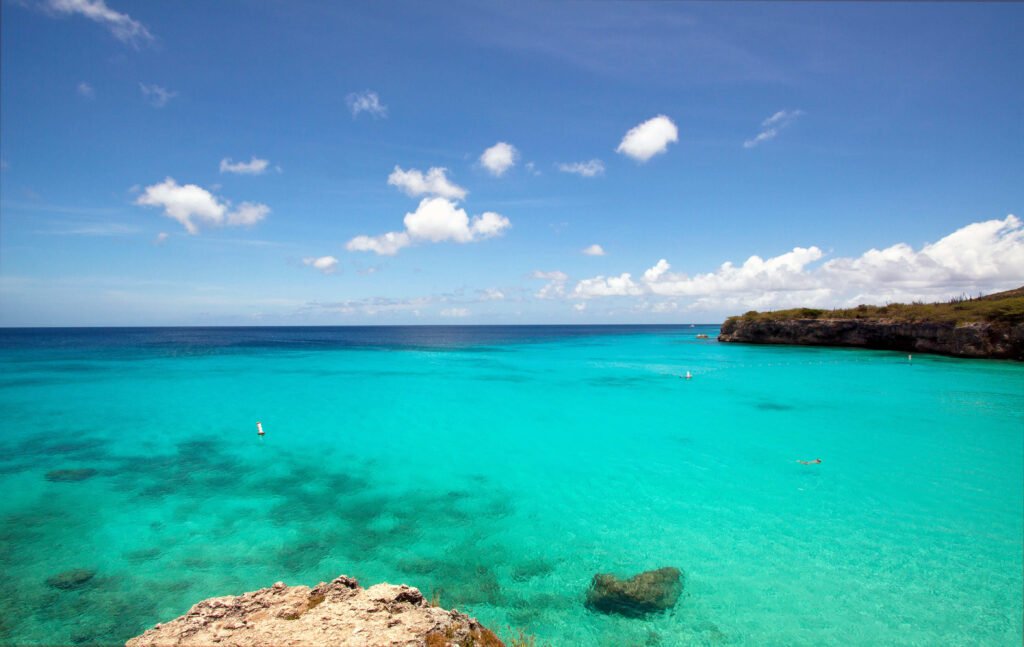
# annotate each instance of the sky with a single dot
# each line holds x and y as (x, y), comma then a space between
(312, 163)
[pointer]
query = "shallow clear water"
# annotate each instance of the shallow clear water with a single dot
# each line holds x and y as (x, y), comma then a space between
(501, 468)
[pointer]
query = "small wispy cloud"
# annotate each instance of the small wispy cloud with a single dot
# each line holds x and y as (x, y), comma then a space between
(125, 28)
(771, 126)
(455, 312)
(434, 182)
(648, 139)
(85, 90)
(590, 168)
(367, 101)
(325, 264)
(255, 166)
(594, 250)
(157, 95)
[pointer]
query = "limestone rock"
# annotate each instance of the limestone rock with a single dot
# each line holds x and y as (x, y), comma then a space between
(73, 579)
(648, 592)
(335, 613)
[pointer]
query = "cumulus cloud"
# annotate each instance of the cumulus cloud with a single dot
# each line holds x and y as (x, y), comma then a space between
(158, 96)
(594, 250)
(386, 244)
(649, 138)
(491, 294)
(771, 126)
(612, 286)
(499, 158)
(255, 166)
(122, 26)
(591, 168)
(86, 90)
(248, 213)
(326, 264)
(455, 312)
(555, 287)
(192, 205)
(368, 102)
(435, 220)
(415, 183)
(980, 257)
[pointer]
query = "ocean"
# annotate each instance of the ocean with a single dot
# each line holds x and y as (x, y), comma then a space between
(499, 468)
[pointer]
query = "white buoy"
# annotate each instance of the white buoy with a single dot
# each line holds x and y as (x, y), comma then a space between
(259, 428)
(688, 375)
(910, 358)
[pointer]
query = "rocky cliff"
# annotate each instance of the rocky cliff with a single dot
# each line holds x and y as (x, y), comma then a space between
(978, 340)
(335, 613)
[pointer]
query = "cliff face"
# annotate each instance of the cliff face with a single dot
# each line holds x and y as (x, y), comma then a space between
(335, 613)
(978, 340)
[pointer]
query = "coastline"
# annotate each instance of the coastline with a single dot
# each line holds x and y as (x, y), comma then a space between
(981, 340)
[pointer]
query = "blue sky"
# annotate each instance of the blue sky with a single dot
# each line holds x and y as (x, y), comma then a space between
(788, 140)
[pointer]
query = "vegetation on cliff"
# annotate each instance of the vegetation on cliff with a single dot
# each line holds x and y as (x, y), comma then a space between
(1003, 307)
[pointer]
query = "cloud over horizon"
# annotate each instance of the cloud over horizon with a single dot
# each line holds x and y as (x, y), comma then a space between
(980, 257)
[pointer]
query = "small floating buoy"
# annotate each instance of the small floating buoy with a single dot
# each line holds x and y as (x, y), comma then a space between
(688, 375)
(910, 358)
(259, 428)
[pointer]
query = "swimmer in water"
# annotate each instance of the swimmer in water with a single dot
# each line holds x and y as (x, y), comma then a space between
(816, 461)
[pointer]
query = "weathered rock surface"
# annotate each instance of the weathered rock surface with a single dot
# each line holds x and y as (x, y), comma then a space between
(648, 592)
(335, 613)
(977, 340)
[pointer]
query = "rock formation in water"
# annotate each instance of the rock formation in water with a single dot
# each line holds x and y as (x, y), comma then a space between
(977, 340)
(336, 613)
(640, 595)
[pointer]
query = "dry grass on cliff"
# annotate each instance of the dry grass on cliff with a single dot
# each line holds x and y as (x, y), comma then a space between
(1003, 307)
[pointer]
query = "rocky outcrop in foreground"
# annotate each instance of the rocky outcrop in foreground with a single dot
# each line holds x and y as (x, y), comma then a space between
(336, 613)
(977, 340)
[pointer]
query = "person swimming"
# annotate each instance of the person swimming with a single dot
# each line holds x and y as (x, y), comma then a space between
(816, 461)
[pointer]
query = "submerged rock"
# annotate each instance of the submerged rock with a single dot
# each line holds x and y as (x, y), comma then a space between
(73, 579)
(336, 613)
(66, 476)
(648, 592)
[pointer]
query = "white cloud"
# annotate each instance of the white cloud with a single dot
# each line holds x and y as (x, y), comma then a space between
(455, 312)
(161, 238)
(649, 138)
(591, 168)
(594, 250)
(655, 272)
(248, 214)
(980, 257)
(386, 244)
(771, 126)
(555, 287)
(157, 96)
(326, 264)
(550, 276)
(492, 294)
(499, 158)
(191, 204)
(122, 26)
(580, 307)
(366, 101)
(86, 90)
(415, 183)
(612, 286)
(531, 168)
(255, 166)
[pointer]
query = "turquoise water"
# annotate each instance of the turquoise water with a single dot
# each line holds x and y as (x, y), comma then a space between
(500, 469)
